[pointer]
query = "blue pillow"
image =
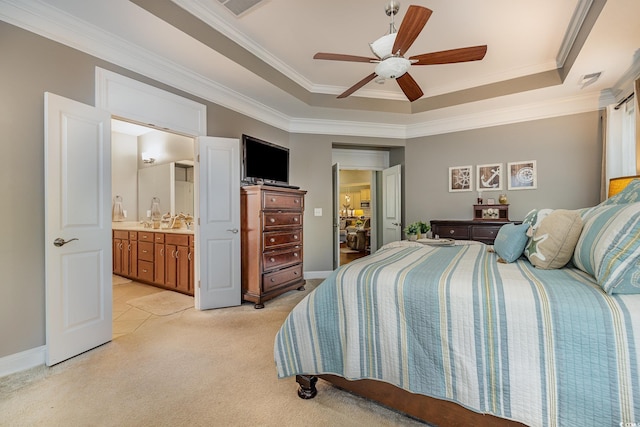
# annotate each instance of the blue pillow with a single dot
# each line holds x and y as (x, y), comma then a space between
(511, 241)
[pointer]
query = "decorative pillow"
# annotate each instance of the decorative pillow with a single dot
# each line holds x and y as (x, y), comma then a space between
(630, 194)
(510, 241)
(555, 239)
(609, 247)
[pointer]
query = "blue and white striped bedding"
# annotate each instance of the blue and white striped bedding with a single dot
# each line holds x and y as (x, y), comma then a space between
(543, 347)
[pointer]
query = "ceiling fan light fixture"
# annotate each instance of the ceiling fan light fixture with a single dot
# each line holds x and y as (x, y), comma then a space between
(392, 68)
(383, 46)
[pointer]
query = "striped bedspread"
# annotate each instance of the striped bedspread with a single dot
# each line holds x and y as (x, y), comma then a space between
(543, 347)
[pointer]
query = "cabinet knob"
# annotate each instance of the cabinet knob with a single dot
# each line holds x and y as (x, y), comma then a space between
(451, 231)
(272, 259)
(273, 280)
(144, 251)
(295, 219)
(272, 240)
(272, 220)
(295, 273)
(295, 255)
(296, 201)
(295, 236)
(273, 199)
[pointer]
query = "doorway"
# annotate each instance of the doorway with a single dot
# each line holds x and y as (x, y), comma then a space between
(355, 213)
(147, 165)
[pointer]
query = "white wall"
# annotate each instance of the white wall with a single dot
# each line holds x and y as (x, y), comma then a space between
(124, 172)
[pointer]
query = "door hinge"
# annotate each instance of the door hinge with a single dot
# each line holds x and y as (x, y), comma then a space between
(198, 284)
(198, 160)
(198, 221)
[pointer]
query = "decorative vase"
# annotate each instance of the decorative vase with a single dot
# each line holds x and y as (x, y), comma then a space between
(502, 199)
(412, 237)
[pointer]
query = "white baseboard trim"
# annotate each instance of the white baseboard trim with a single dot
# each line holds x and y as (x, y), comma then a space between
(22, 361)
(316, 274)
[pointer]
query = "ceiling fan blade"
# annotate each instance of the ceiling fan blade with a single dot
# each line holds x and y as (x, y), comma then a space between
(358, 85)
(464, 54)
(409, 87)
(413, 22)
(341, 57)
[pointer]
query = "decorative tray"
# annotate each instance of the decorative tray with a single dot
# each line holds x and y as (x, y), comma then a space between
(437, 242)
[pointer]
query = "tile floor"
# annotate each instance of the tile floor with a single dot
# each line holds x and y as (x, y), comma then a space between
(126, 318)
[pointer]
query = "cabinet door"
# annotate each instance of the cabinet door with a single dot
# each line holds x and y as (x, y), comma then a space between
(133, 258)
(171, 273)
(159, 263)
(182, 268)
(125, 257)
(117, 256)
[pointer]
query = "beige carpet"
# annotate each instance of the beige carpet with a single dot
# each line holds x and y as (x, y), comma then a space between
(192, 368)
(162, 303)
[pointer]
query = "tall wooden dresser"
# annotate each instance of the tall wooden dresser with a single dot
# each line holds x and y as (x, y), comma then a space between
(271, 238)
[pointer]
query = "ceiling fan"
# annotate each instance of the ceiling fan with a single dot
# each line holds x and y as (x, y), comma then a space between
(390, 49)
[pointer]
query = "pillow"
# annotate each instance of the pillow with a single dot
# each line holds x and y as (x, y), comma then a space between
(630, 194)
(510, 241)
(555, 239)
(609, 247)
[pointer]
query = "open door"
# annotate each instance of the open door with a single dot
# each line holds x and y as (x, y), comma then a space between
(77, 228)
(335, 180)
(218, 223)
(391, 204)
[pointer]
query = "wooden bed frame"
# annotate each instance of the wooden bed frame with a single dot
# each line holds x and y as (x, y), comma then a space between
(428, 409)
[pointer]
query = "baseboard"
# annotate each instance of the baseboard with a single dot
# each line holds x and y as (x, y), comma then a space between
(317, 274)
(22, 361)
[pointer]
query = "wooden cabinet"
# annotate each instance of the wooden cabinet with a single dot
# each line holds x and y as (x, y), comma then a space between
(271, 240)
(156, 258)
(484, 231)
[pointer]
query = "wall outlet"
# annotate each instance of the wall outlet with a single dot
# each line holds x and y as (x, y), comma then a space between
(317, 212)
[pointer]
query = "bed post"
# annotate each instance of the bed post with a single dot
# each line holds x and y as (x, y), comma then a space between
(307, 384)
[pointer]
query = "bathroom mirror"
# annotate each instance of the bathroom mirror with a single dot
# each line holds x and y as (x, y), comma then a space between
(172, 183)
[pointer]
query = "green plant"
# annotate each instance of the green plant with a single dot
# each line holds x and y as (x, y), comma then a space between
(412, 228)
(424, 227)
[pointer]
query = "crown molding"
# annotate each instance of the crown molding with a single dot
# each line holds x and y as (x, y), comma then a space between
(579, 15)
(49, 22)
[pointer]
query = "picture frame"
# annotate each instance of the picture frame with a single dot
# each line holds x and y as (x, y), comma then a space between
(489, 177)
(491, 201)
(523, 175)
(460, 178)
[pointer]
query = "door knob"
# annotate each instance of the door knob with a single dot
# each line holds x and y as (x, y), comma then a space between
(233, 230)
(61, 242)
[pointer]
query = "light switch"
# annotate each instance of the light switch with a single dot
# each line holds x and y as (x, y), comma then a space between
(317, 211)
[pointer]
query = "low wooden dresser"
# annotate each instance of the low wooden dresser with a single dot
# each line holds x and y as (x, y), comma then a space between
(271, 239)
(482, 231)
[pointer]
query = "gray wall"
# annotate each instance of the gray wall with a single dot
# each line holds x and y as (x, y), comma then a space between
(31, 65)
(567, 151)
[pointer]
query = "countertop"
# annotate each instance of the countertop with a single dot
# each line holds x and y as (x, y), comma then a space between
(136, 226)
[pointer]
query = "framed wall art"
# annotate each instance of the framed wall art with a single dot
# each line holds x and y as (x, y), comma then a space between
(460, 178)
(489, 177)
(522, 175)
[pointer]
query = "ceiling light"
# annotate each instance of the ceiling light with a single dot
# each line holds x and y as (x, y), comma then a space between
(392, 68)
(382, 47)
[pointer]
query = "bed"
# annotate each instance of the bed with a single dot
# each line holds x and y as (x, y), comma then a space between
(456, 335)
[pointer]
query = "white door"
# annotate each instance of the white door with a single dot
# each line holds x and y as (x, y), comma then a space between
(391, 205)
(335, 180)
(77, 227)
(218, 224)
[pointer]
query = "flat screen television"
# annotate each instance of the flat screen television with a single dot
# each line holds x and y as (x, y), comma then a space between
(264, 162)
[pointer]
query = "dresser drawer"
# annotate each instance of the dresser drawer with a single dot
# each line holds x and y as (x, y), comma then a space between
(145, 271)
(279, 259)
(281, 277)
(276, 239)
(145, 236)
(275, 200)
(279, 219)
(133, 235)
(158, 237)
(484, 232)
(460, 232)
(145, 251)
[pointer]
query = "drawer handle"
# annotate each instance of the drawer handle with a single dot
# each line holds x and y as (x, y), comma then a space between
(295, 273)
(144, 270)
(295, 236)
(161, 251)
(451, 232)
(273, 199)
(296, 201)
(295, 219)
(273, 280)
(272, 240)
(295, 255)
(189, 256)
(272, 259)
(272, 220)
(144, 251)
